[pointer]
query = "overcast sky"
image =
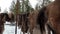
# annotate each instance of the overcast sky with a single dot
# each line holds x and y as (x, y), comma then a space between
(5, 4)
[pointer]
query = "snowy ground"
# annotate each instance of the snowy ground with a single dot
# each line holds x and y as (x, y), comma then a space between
(11, 29)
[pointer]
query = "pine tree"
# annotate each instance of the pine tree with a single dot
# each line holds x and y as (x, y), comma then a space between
(15, 7)
(12, 6)
(26, 7)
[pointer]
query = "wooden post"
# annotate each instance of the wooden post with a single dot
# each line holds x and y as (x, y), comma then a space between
(17, 9)
(16, 26)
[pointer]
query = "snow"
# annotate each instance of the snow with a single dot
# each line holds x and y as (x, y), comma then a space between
(9, 29)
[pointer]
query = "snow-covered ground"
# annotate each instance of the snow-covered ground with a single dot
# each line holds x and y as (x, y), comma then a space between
(11, 29)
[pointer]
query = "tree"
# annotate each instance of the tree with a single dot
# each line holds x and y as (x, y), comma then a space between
(22, 7)
(17, 11)
(42, 3)
(12, 6)
(17, 7)
(46, 2)
(26, 7)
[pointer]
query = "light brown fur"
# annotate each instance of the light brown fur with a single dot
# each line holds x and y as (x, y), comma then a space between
(32, 20)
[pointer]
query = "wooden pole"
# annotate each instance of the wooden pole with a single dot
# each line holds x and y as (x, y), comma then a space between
(16, 15)
(16, 26)
(17, 12)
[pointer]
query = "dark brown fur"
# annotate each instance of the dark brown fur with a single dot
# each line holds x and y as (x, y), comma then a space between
(23, 22)
(3, 18)
(2, 21)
